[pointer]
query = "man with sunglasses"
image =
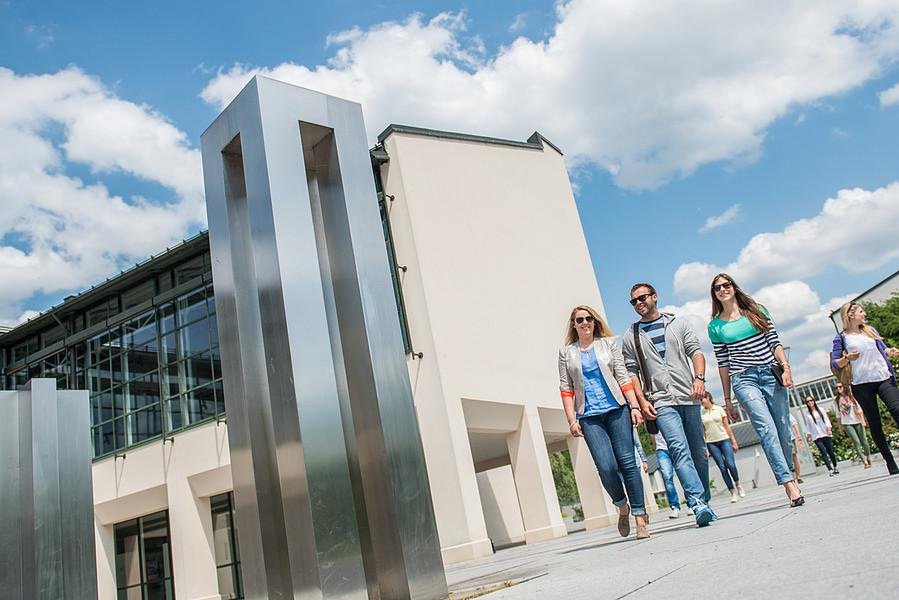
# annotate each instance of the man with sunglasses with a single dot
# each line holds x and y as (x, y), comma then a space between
(672, 368)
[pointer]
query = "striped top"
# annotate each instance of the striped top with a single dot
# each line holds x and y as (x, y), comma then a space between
(655, 330)
(739, 345)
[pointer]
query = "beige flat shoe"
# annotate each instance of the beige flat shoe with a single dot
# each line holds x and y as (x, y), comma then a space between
(642, 532)
(624, 524)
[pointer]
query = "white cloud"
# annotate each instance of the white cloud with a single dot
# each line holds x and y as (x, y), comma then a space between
(889, 97)
(839, 133)
(788, 301)
(855, 231)
(614, 83)
(60, 232)
(724, 218)
(519, 23)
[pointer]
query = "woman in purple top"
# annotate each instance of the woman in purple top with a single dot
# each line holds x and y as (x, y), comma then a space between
(860, 345)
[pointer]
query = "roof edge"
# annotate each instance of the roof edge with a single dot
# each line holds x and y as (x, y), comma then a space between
(535, 142)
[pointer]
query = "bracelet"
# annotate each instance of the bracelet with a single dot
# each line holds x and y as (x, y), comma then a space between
(636, 408)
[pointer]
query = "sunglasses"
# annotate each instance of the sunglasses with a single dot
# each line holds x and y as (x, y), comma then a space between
(580, 320)
(722, 286)
(640, 298)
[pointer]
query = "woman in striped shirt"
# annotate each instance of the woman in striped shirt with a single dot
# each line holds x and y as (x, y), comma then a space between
(747, 347)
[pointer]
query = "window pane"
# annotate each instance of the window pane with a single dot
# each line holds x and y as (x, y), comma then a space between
(119, 425)
(197, 371)
(143, 392)
(192, 307)
(127, 539)
(139, 364)
(101, 407)
(104, 439)
(156, 546)
(145, 424)
(194, 338)
(219, 397)
(201, 403)
(175, 414)
(227, 585)
(213, 330)
(140, 333)
(166, 317)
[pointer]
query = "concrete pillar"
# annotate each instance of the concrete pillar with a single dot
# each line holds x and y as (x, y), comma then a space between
(193, 552)
(598, 509)
(104, 537)
(540, 510)
(454, 487)
(499, 500)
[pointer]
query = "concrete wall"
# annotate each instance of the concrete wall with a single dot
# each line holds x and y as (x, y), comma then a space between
(495, 259)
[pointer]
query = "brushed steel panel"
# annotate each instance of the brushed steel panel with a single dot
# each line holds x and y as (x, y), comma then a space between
(46, 505)
(331, 492)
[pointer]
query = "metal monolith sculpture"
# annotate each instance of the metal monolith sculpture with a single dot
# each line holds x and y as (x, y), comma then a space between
(331, 492)
(47, 549)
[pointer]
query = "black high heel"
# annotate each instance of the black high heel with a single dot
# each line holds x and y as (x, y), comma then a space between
(797, 502)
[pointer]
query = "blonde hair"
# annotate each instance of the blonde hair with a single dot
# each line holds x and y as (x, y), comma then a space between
(844, 317)
(600, 327)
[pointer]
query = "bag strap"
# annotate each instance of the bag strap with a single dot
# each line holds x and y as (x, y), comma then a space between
(641, 361)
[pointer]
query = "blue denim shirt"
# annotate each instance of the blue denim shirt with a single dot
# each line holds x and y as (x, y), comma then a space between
(598, 396)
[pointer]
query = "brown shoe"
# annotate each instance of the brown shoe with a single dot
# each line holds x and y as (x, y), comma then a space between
(642, 532)
(624, 523)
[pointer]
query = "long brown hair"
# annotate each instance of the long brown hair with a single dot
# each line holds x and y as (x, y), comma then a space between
(844, 317)
(600, 328)
(751, 309)
(817, 410)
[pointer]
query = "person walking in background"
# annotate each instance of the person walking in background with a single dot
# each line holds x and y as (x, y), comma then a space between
(599, 402)
(851, 420)
(667, 469)
(664, 353)
(750, 360)
(796, 442)
(719, 437)
(640, 454)
(819, 430)
(860, 348)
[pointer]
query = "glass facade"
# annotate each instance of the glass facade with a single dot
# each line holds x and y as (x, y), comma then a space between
(822, 390)
(227, 555)
(148, 356)
(144, 559)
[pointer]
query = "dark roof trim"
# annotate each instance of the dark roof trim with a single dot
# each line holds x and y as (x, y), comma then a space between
(86, 297)
(535, 142)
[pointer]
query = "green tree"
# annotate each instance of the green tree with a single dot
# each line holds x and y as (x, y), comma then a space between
(563, 477)
(885, 319)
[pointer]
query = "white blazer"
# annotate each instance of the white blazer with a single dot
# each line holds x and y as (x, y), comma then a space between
(611, 365)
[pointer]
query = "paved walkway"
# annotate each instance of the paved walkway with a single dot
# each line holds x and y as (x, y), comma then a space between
(844, 543)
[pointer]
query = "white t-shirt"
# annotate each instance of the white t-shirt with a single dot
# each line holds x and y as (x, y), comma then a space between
(793, 424)
(848, 414)
(816, 427)
(661, 444)
(870, 365)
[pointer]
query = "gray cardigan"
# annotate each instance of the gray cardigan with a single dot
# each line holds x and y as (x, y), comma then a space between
(670, 378)
(611, 365)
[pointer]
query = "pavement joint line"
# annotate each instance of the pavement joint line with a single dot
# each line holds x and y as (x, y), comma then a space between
(650, 582)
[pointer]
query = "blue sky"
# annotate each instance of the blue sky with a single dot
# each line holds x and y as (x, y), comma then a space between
(782, 115)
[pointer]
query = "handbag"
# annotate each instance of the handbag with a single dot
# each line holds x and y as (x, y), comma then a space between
(778, 371)
(844, 374)
(651, 426)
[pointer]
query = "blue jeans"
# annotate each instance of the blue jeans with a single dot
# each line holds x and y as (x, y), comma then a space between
(766, 403)
(723, 453)
(667, 469)
(681, 426)
(610, 438)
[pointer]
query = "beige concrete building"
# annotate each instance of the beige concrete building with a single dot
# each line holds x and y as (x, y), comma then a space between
(490, 257)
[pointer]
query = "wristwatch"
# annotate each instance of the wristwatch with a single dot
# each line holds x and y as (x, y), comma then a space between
(699, 377)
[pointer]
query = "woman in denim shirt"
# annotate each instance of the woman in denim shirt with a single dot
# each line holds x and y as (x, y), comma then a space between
(600, 404)
(747, 348)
